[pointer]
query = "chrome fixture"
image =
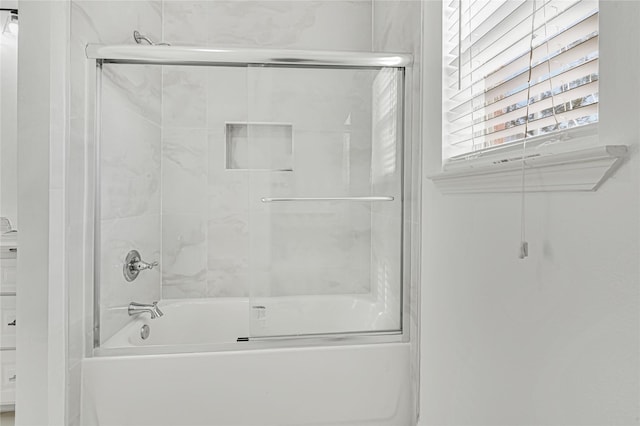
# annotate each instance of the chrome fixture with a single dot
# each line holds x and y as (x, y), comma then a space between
(273, 200)
(133, 264)
(141, 308)
(199, 55)
(5, 225)
(139, 38)
(11, 25)
(144, 332)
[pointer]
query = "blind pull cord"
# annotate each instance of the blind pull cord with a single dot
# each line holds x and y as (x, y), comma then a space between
(524, 245)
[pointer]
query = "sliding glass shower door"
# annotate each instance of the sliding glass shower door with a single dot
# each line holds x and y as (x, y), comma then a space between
(262, 201)
(323, 151)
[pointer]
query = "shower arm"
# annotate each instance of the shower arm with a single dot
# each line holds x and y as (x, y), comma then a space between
(139, 38)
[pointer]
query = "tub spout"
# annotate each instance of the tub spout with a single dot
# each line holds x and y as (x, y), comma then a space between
(139, 308)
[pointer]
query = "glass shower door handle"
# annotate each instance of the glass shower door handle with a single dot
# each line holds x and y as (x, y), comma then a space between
(281, 199)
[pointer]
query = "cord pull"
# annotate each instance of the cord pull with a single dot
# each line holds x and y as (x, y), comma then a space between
(524, 249)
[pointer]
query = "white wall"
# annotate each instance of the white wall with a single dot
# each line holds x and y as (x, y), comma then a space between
(8, 124)
(42, 125)
(552, 339)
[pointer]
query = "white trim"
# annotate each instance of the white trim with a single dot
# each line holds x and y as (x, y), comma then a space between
(43, 114)
(582, 170)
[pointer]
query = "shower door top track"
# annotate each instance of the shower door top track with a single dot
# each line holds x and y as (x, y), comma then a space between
(194, 55)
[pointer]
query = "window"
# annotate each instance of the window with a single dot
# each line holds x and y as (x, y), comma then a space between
(516, 70)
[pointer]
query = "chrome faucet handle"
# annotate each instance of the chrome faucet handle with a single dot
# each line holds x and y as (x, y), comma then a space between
(142, 265)
(133, 264)
(156, 312)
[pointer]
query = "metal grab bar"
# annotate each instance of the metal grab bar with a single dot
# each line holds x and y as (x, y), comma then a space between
(274, 200)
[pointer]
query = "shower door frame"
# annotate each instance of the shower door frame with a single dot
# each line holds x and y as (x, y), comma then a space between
(97, 55)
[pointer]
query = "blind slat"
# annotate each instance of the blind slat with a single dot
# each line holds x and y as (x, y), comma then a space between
(573, 57)
(507, 12)
(517, 69)
(557, 96)
(555, 86)
(494, 68)
(577, 115)
(551, 18)
(505, 18)
(539, 110)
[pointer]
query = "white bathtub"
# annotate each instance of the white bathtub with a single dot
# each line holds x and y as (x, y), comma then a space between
(343, 384)
(195, 325)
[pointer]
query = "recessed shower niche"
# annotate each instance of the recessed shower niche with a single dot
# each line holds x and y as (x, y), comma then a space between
(274, 197)
(271, 146)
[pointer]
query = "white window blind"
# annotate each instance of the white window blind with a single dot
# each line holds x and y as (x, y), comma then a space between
(515, 69)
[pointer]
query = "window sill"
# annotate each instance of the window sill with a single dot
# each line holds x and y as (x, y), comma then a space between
(582, 170)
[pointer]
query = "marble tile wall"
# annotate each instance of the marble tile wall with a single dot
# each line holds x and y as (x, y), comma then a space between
(130, 149)
(177, 126)
(314, 248)
(215, 229)
(130, 160)
(293, 24)
(185, 200)
(134, 98)
(185, 166)
(387, 169)
(210, 251)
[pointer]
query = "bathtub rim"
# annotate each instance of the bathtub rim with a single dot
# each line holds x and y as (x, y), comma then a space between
(260, 344)
(344, 338)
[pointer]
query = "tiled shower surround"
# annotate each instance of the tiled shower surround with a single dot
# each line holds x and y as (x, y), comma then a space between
(216, 231)
(201, 182)
(178, 183)
(130, 188)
